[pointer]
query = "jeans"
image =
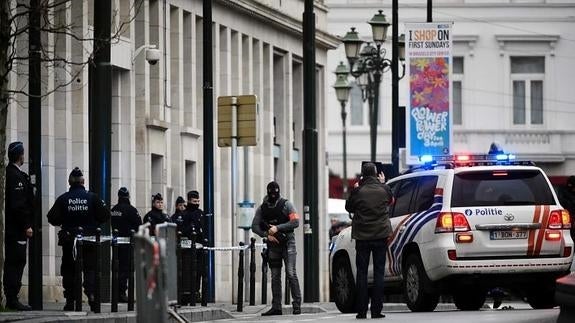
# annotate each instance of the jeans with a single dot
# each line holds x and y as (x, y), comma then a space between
(363, 250)
(288, 253)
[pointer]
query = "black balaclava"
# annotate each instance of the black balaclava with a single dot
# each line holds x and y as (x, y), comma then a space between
(193, 195)
(273, 190)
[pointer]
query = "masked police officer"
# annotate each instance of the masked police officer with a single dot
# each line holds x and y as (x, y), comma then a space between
(18, 205)
(276, 220)
(195, 216)
(125, 218)
(156, 215)
(72, 210)
(179, 215)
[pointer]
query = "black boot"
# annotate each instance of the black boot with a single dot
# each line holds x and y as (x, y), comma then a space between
(272, 311)
(14, 304)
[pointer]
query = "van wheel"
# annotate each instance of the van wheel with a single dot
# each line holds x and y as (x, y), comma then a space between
(343, 286)
(542, 296)
(417, 298)
(469, 300)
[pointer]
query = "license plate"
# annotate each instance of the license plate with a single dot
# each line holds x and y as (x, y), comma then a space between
(508, 235)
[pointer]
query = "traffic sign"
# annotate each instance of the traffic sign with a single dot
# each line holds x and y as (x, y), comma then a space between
(246, 107)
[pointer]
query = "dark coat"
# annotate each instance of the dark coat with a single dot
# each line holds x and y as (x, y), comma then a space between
(369, 204)
(79, 208)
(155, 217)
(125, 218)
(19, 198)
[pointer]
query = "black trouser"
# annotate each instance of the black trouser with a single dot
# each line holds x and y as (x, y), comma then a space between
(68, 270)
(124, 268)
(363, 249)
(287, 253)
(14, 262)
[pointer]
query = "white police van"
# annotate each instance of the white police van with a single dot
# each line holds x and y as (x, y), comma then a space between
(463, 225)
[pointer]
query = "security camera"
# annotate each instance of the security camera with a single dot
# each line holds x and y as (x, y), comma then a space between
(152, 56)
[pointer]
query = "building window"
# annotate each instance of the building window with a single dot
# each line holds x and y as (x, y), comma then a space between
(527, 74)
(457, 90)
(356, 105)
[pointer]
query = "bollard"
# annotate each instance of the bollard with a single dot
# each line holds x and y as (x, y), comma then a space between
(205, 264)
(241, 280)
(131, 275)
(97, 293)
(78, 271)
(194, 271)
(265, 274)
(115, 267)
(252, 271)
(179, 268)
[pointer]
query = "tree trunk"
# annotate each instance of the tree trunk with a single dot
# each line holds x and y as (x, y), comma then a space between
(5, 45)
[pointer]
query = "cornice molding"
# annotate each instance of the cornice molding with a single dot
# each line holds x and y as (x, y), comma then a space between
(503, 40)
(289, 24)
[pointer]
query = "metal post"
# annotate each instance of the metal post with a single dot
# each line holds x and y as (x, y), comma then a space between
(205, 274)
(98, 293)
(395, 113)
(311, 167)
(376, 84)
(240, 307)
(234, 170)
(344, 137)
(115, 267)
(208, 130)
(78, 272)
(429, 10)
(179, 268)
(265, 274)
(194, 271)
(287, 299)
(35, 155)
(252, 271)
(131, 275)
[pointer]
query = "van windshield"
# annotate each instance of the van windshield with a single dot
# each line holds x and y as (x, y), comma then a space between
(506, 187)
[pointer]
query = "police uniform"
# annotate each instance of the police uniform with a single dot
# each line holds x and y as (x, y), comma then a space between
(155, 216)
(19, 197)
(73, 209)
(125, 218)
(279, 212)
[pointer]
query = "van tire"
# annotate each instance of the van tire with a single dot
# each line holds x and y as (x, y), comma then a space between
(343, 286)
(417, 297)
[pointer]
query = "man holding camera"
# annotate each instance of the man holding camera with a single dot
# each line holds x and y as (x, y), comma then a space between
(276, 219)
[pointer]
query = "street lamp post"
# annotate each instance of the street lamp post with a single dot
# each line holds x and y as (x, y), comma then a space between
(342, 88)
(368, 66)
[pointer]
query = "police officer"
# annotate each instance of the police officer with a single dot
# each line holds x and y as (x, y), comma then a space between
(73, 209)
(180, 213)
(276, 220)
(156, 215)
(195, 218)
(125, 218)
(18, 205)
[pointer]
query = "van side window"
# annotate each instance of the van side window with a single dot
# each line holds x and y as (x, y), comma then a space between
(403, 193)
(425, 193)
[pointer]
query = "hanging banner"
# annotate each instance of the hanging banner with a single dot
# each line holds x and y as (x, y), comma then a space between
(428, 115)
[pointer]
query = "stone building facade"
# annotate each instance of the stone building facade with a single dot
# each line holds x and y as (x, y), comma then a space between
(513, 62)
(157, 140)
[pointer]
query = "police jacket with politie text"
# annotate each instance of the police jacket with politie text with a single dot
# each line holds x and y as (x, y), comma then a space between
(79, 208)
(125, 217)
(369, 204)
(280, 213)
(19, 197)
(155, 217)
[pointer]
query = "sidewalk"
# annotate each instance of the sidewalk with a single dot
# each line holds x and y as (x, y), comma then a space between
(53, 312)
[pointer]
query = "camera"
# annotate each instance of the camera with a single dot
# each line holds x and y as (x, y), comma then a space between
(152, 56)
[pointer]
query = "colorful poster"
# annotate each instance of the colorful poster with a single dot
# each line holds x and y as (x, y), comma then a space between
(428, 63)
